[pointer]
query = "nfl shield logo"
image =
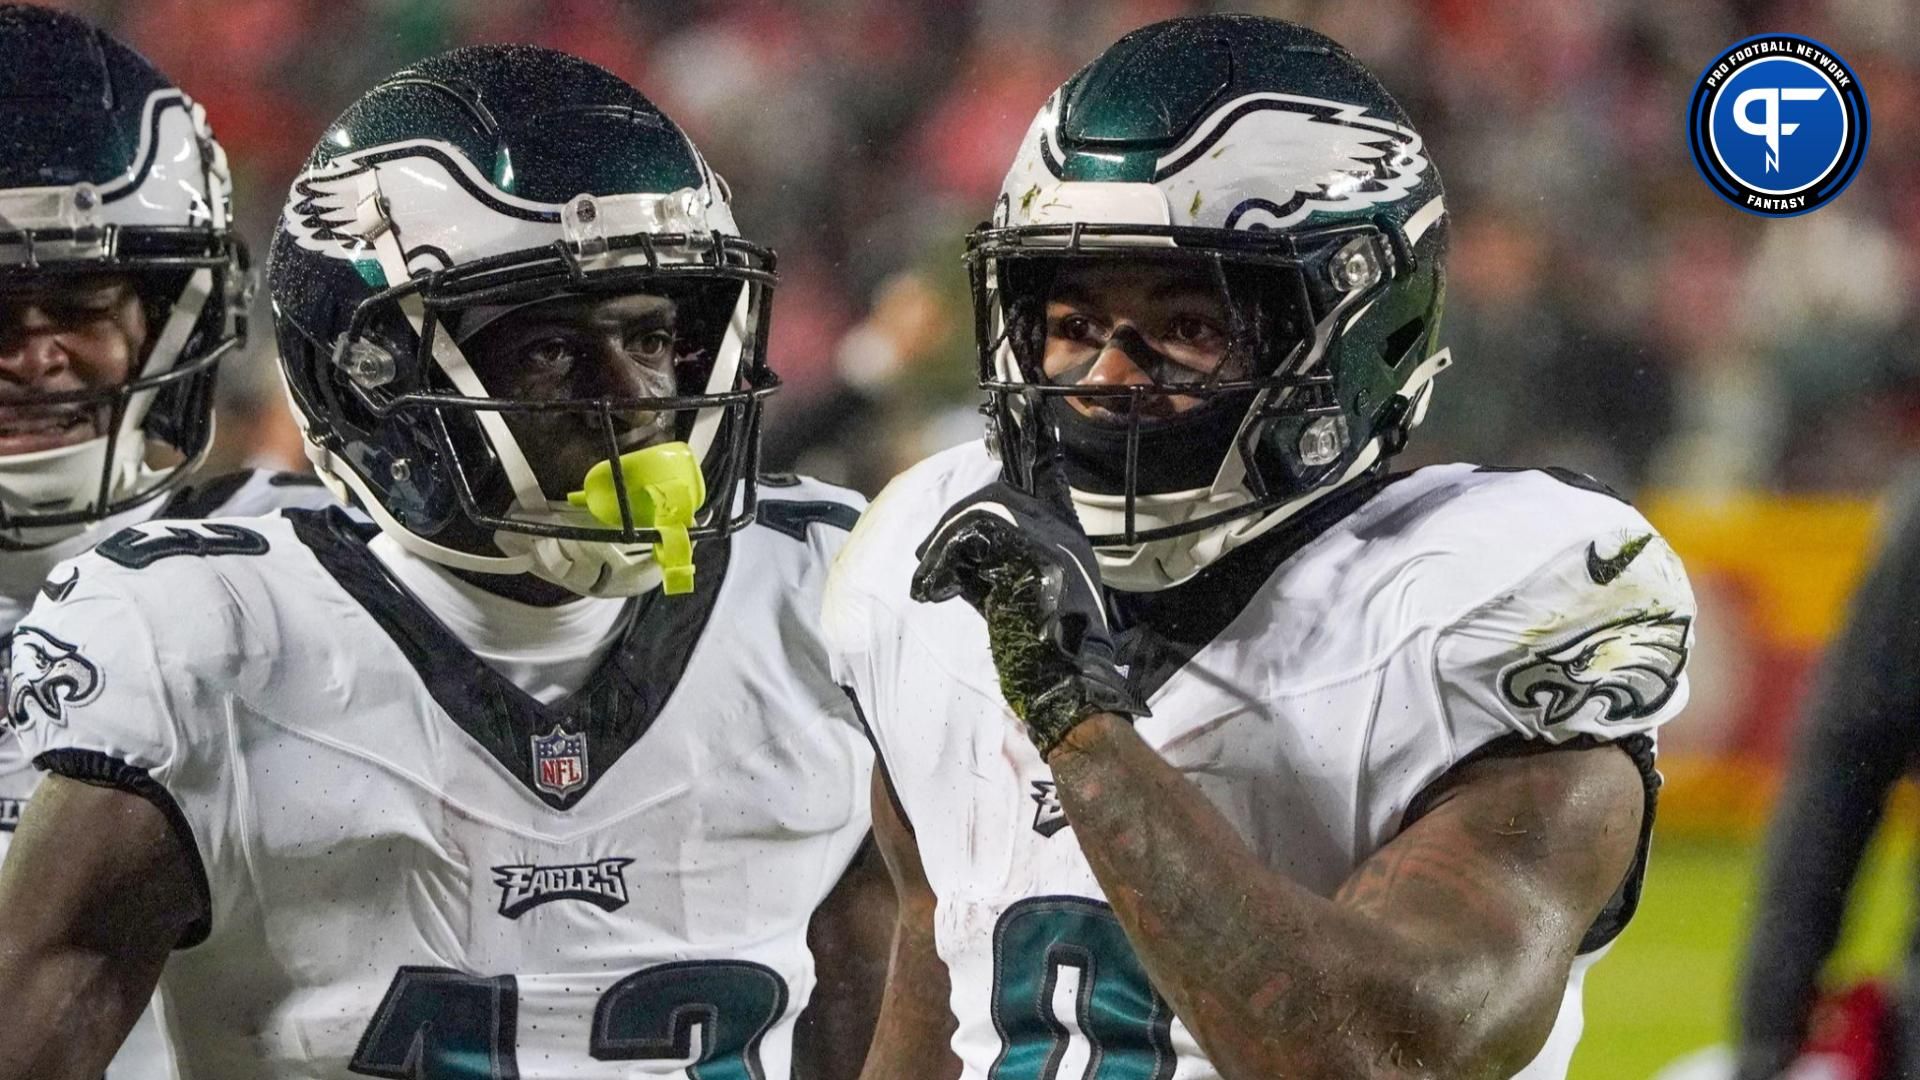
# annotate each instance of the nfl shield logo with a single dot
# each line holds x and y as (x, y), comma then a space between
(559, 762)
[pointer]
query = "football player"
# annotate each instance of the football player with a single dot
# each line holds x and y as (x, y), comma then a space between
(544, 773)
(1211, 747)
(122, 287)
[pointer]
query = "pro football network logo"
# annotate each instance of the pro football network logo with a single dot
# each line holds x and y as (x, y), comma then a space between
(560, 762)
(1778, 125)
(523, 888)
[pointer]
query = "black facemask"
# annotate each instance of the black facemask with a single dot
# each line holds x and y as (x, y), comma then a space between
(1178, 453)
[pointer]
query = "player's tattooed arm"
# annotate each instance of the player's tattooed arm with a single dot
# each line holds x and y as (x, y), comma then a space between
(850, 938)
(915, 1032)
(1445, 954)
(96, 891)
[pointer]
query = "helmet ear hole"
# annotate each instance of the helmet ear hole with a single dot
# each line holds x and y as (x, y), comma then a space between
(1400, 345)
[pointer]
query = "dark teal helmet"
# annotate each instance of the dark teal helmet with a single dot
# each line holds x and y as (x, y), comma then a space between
(469, 185)
(1264, 154)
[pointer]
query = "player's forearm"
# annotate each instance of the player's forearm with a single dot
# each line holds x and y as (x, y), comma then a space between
(65, 1015)
(915, 1031)
(1272, 979)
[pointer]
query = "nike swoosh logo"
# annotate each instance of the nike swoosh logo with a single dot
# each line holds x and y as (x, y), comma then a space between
(1603, 571)
(57, 591)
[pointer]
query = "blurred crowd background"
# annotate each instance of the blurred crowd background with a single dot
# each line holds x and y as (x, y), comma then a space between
(1753, 382)
(1609, 313)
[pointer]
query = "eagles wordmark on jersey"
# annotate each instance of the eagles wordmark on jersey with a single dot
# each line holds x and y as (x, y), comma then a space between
(401, 880)
(1378, 643)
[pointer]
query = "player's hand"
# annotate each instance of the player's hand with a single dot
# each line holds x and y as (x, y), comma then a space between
(1017, 554)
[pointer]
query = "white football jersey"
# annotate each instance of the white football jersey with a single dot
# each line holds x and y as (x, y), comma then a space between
(416, 869)
(1354, 661)
(22, 574)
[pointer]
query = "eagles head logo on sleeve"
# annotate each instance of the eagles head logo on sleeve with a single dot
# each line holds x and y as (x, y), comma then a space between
(47, 676)
(1632, 666)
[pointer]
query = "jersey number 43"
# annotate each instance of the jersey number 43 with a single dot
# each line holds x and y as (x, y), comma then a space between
(441, 1024)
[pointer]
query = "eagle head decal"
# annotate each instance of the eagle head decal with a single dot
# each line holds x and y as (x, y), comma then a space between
(48, 674)
(1632, 666)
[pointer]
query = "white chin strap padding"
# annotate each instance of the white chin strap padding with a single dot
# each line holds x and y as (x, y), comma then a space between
(50, 481)
(586, 567)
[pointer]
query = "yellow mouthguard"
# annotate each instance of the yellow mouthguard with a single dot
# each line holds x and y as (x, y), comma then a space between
(664, 488)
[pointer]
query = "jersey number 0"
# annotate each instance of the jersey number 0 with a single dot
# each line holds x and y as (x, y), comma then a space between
(1071, 1001)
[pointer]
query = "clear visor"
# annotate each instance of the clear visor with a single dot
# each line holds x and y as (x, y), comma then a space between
(1140, 336)
(1165, 355)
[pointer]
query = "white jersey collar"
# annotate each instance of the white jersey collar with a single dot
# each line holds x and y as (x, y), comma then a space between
(548, 652)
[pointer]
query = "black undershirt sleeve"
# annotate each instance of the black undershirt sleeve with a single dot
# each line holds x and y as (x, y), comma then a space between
(1625, 901)
(105, 770)
(1858, 736)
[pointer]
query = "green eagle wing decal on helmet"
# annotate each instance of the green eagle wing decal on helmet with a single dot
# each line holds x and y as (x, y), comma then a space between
(1262, 161)
(450, 213)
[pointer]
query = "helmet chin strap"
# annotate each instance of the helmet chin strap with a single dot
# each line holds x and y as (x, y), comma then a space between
(1163, 564)
(615, 572)
(53, 480)
(67, 478)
